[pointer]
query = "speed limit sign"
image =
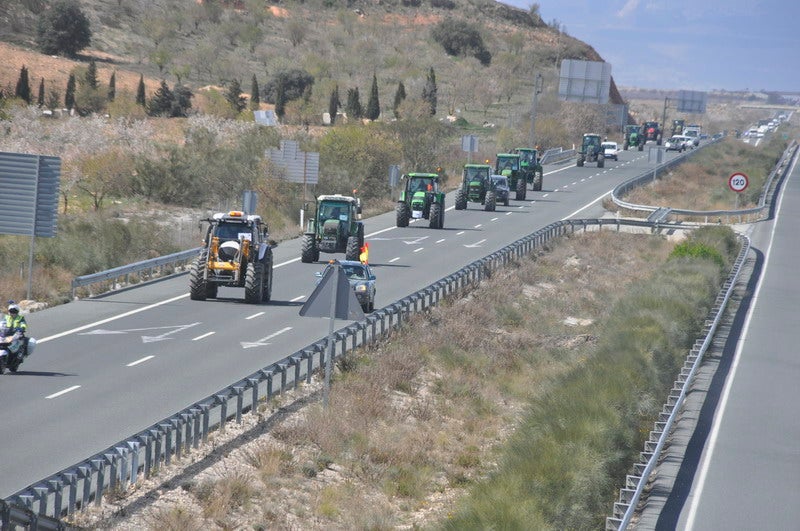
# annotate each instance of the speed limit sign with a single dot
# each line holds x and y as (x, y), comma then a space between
(738, 182)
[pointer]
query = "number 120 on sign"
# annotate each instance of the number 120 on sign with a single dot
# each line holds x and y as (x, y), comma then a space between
(738, 182)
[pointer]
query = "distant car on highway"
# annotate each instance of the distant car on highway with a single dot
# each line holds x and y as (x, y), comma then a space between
(610, 150)
(678, 143)
(501, 189)
(361, 278)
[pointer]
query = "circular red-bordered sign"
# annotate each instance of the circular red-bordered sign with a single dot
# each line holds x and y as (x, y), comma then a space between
(738, 182)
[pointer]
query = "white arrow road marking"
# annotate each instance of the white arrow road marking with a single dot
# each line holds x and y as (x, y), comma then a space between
(65, 391)
(137, 362)
(152, 339)
(263, 341)
(476, 244)
(145, 339)
(198, 338)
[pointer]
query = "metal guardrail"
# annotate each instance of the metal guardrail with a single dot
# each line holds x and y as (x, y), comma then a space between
(635, 483)
(140, 455)
(27, 519)
(174, 262)
(778, 171)
(556, 155)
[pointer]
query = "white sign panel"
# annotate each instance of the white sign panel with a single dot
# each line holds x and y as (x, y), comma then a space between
(584, 81)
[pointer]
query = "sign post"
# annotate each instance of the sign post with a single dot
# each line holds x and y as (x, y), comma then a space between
(738, 183)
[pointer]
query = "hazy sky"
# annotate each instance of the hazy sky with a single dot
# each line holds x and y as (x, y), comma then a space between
(688, 44)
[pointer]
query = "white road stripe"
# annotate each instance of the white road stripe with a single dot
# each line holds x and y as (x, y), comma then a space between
(65, 391)
(440, 241)
(418, 249)
(137, 362)
(254, 315)
(198, 338)
(494, 219)
(301, 297)
(460, 233)
(394, 260)
(478, 225)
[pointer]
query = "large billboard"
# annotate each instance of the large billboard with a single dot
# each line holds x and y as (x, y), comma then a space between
(584, 81)
(691, 101)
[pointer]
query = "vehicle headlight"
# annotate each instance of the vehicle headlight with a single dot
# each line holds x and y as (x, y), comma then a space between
(361, 287)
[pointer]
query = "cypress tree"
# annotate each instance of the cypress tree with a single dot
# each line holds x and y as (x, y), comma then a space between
(40, 99)
(353, 107)
(233, 95)
(429, 91)
(161, 102)
(69, 96)
(373, 105)
(280, 100)
(334, 104)
(255, 99)
(112, 87)
(23, 90)
(140, 96)
(399, 97)
(91, 75)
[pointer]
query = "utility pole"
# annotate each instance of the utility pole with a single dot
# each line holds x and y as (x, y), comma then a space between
(537, 89)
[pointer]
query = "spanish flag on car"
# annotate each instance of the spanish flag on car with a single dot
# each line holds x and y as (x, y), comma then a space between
(364, 256)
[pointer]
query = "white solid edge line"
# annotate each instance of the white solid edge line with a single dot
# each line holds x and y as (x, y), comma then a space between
(198, 338)
(137, 362)
(587, 205)
(705, 464)
(65, 391)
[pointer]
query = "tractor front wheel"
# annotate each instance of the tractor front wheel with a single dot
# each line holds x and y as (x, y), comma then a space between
(309, 252)
(538, 181)
(198, 286)
(403, 214)
(522, 189)
(353, 249)
(254, 283)
(461, 200)
(491, 201)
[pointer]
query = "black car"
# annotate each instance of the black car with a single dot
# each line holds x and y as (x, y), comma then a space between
(501, 189)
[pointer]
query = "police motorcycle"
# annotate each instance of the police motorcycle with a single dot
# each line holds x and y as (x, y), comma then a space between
(14, 348)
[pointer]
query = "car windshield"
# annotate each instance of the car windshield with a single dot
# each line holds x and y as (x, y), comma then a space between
(355, 272)
(500, 181)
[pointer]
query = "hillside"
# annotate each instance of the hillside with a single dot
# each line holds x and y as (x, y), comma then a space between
(203, 43)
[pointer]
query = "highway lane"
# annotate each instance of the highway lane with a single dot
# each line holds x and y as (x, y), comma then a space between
(109, 367)
(749, 472)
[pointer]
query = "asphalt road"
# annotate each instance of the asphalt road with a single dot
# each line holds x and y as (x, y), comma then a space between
(748, 476)
(109, 367)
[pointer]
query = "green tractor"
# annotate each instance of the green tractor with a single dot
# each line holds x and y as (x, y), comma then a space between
(633, 137)
(476, 187)
(335, 228)
(531, 167)
(508, 164)
(591, 150)
(421, 199)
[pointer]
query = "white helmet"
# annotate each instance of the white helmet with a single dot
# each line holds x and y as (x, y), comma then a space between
(13, 308)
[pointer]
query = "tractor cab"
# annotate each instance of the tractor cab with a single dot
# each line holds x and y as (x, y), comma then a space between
(507, 163)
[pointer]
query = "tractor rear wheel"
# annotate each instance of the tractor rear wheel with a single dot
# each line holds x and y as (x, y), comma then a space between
(403, 214)
(538, 181)
(309, 252)
(353, 250)
(461, 199)
(581, 160)
(198, 286)
(491, 202)
(254, 283)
